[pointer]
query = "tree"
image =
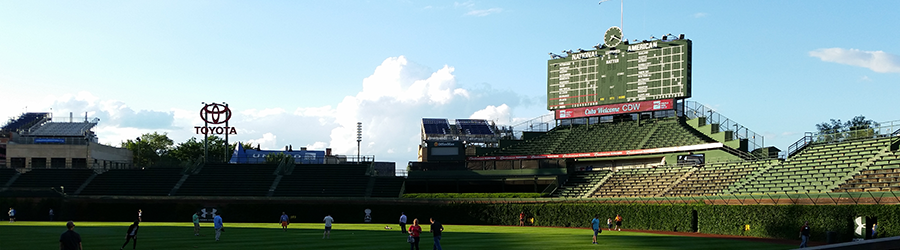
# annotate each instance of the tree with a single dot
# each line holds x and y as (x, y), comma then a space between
(149, 149)
(192, 150)
(858, 127)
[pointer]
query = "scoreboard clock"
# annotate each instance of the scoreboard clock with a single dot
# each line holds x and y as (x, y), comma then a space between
(620, 72)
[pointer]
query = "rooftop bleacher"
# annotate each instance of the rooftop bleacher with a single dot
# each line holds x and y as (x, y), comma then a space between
(24, 120)
(134, 182)
(818, 167)
(63, 129)
(435, 126)
(474, 126)
(229, 180)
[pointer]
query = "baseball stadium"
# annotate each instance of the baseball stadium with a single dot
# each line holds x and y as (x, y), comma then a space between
(623, 141)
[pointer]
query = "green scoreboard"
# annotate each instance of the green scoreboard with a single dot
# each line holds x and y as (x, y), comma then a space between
(618, 72)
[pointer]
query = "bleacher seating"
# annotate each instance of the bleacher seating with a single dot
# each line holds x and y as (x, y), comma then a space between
(601, 137)
(474, 126)
(637, 182)
(882, 175)
(230, 180)
(71, 179)
(26, 119)
(134, 182)
(580, 183)
(387, 187)
(5, 175)
(435, 126)
(715, 178)
(817, 168)
(331, 180)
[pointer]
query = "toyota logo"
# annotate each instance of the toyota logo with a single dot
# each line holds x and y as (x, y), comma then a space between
(215, 113)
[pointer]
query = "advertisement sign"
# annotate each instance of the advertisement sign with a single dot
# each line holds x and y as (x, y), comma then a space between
(613, 109)
(215, 113)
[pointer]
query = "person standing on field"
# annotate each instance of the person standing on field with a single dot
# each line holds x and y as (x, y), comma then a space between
(12, 215)
(618, 222)
(804, 234)
(522, 219)
(436, 229)
(70, 240)
(131, 234)
(595, 224)
(217, 221)
(608, 223)
(403, 222)
(415, 230)
(284, 221)
(196, 219)
(328, 220)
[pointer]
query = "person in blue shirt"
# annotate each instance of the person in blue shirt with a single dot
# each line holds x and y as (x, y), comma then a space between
(595, 223)
(218, 223)
(284, 221)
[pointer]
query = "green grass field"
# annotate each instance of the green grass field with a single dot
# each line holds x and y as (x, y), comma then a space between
(257, 236)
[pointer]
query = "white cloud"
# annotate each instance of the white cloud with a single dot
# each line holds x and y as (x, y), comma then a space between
(865, 79)
(267, 141)
(484, 12)
(700, 15)
(254, 114)
(391, 104)
(878, 61)
(467, 4)
(499, 114)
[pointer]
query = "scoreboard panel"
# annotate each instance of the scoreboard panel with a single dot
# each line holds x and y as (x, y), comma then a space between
(650, 70)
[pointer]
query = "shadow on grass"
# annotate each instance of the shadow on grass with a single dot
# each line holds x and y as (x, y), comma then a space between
(175, 237)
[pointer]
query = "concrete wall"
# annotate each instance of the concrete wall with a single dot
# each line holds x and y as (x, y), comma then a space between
(96, 155)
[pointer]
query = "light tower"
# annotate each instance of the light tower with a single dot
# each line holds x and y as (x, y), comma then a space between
(358, 140)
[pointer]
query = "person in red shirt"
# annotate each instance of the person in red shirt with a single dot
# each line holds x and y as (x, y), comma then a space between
(522, 219)
(414, 231)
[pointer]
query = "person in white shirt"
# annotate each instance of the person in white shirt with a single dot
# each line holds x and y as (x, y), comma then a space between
(328, 220)
(403, 222)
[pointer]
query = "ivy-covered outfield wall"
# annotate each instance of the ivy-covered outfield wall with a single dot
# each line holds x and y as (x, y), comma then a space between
(771, 221)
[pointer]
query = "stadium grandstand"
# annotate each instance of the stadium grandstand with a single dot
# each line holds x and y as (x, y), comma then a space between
(37, 141)
(689, 151)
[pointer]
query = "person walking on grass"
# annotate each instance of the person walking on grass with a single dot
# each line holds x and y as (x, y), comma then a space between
(415, 230)
(436, 229)
(220, 227)
(618, 222)
(522, 219)
(328, 220)
(284, 221)
(196, 220)
(804, 234)
(595, 224)
(70, 240)
(402, 222)
(131, 234)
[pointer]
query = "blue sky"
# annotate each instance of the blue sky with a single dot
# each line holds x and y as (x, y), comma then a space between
(304, 72)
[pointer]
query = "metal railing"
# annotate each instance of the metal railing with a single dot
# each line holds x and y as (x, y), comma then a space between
(695, 110)
(884, 129)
